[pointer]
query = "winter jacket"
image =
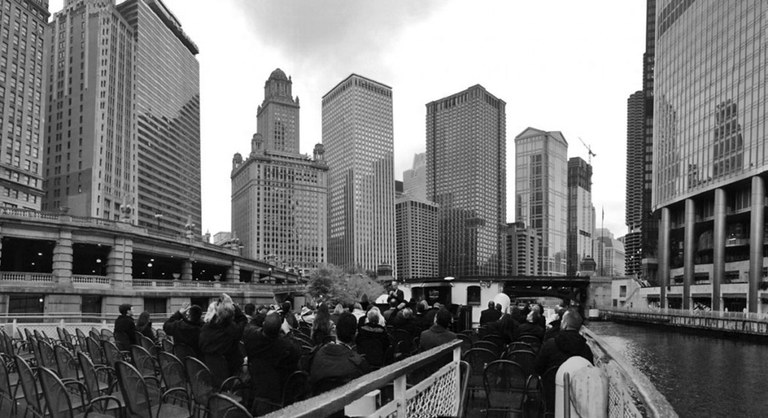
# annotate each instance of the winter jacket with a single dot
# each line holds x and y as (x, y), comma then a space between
(125, 332)
(556, 351)
(435, 336)
(270, 361)
(220, 346)
(373, 341)
(336, 362)
(184, 331)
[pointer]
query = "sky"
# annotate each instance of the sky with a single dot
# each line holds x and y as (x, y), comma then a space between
(560, 65)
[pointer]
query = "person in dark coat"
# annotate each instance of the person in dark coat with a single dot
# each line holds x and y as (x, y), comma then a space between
(489, 315)
(554, 326)
(125, 328)
(184, 326)
(144, 326)
(568, 343)
(531, 326)
(220, 339)
(372, 340)
(507, 326)
(438, 334)
(336, 363)
(405, 320)
(271, 358)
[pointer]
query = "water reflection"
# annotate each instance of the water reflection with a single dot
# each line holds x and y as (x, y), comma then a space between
(699, 375)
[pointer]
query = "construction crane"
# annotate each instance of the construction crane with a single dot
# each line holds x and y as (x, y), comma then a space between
(589, 151)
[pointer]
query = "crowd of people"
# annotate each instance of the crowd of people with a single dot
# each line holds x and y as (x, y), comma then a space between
(335, 343)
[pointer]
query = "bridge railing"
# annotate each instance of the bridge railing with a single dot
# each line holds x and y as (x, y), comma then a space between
(436, 395)
(749, 316)
(630, 393)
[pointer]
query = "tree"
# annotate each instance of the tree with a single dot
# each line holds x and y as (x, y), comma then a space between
(345, 286)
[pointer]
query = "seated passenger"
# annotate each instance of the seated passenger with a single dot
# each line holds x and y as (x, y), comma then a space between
(566, 344)
(334, 364)
(438, 334)
(373, 341)
(271, 358)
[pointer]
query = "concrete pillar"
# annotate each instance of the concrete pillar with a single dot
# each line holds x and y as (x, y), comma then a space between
(233, 272)
(756, 240)
(186, 270)
(689, 246)
(718, 252)
(664, 256)
(63, 258)
(120, 262)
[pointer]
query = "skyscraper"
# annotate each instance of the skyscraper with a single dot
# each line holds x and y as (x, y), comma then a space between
(416, 237)
(522, 250)
(415, 178)
(581, 213)
(649, 219)
(636, 183)
(279, 196)
(90, 156)
(167, 112)
(359, 149)
(541, 194)
(709, 155)
(466, 177)
(22, 95)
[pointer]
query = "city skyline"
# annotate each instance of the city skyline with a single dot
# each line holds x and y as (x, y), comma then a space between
(418, 60)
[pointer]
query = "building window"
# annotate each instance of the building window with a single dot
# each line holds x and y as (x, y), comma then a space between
(90, 306)
(155, 305)
(26, 304)
(473, 295)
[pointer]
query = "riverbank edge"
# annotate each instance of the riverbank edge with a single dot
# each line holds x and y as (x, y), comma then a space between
(670, 323)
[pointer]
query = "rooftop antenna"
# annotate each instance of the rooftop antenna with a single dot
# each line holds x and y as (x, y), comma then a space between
(590, 154)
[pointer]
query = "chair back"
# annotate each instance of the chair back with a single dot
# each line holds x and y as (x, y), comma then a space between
(60, 333)
(107, 335)
(172, 370)
(466, 342)
(111, 353)
(148, 344)
(222, 406)
(548, 384)
(95, 334)
(143, 361)
(47, 357)
(28, 385)
(496, 339)
(82, 340)
(200, 380)
(505, 386)
(477, 359)
(134, 390)
(95, 351)
(296, 387)
(90, 376)
(5, 382)
(57, 401)
(524, 358)
(66, 363)
(167, 345)
(532, 340)
(6, 344)
(488, 345)
(519, 345)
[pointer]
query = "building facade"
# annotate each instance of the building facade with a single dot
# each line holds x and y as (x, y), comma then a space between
(522, 250)
(710, 158)
(415, 178)
(167, 112)
(466, 177)
(581, 214)
(635, 184)
(22, 97)
(90, 137)
(610, 254)
(416, 238)
(359, 145)
(541, 194)
(649, 218)
(279, 196)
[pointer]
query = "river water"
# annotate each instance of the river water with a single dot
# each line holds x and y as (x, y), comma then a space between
(701, 376)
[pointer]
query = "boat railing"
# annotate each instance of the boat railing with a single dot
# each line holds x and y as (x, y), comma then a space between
(436, 395)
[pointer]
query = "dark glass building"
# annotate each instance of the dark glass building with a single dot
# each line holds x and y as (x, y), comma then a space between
(466, 177)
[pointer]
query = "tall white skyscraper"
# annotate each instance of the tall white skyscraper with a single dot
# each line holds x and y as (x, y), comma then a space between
(359, 150)
(541, 194)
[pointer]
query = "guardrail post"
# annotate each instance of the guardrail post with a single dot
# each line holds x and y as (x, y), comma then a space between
(61, 323)
(13, 327)
(399, 392)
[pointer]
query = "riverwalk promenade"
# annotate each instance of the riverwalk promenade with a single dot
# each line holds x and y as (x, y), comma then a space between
(729, 323)
(443, 381)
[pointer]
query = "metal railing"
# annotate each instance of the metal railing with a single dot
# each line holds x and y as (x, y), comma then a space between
(749, 316)
(630, 393)
(436, 395)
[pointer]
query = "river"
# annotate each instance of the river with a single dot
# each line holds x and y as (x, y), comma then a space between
(701, 376)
